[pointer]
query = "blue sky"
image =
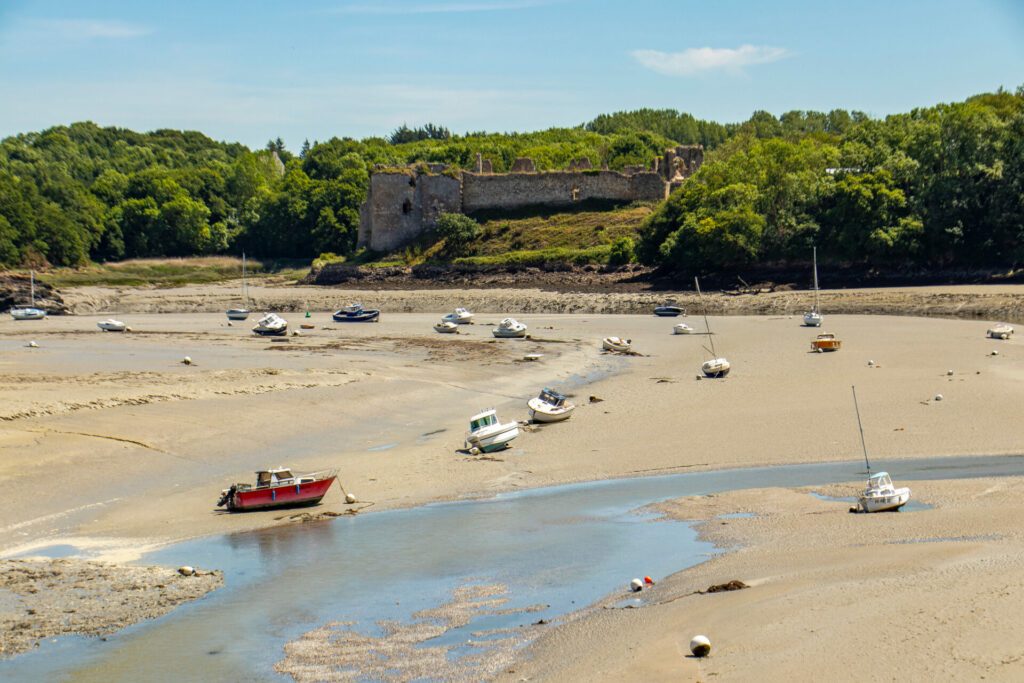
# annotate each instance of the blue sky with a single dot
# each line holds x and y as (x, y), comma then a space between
(250, 71)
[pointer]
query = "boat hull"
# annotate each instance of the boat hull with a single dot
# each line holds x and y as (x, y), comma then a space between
(812, 320)
(668, 311)
(291, 495)
(112, 326)
(458, 320)
(495, 441)
(826, 345)
(446, 329)
(615, 344)
(541, 412)
(360, 317)
(714, 369)
(510, 334)
(884, 503)
(270, 332)
(682, 328)
(237, 314)
(28, 313)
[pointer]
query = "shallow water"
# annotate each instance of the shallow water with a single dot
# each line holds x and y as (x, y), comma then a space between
(564, 547)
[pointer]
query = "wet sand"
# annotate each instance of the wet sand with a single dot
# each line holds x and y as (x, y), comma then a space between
(138, 445)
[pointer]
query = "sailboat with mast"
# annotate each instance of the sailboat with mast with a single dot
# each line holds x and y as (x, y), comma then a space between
(241, 313)
(29, 312)
(813, 318)
(880, 495)
(716, 366)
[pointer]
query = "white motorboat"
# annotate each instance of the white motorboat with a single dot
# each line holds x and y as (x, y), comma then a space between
(717, 367)
(682, 328)
(29, 312)
(550, 406)
(460, 316)
(616, 344)
(508, 328)
(111, 325)
(813, 317)
(446, 327)
(880, 495)
(487, 434)
(243, 312)
(998, 331)
(271, 325)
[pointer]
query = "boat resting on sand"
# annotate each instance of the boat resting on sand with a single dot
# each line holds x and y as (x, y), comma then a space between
(509, 328)
(487, 434)
(682, 328)
(355, 313)
(616, 344)
(715, 368)
(111, 325)
(446, 327)
(999, 331)
(826, 342)
(30, 312)
(271, 325)
(550, 406)
(881, 496)
(460, 316)
(277, 488)
(668, 310)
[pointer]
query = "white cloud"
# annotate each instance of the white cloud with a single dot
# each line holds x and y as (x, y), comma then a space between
(697, 60)
(440, 7)
(91, 28)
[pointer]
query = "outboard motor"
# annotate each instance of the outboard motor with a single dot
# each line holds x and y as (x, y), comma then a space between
(227, 496)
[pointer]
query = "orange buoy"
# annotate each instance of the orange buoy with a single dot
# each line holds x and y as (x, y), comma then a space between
(648, 580)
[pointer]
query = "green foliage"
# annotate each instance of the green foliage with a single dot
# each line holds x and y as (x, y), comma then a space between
(622, 252)
(540, 257)
(458, 232)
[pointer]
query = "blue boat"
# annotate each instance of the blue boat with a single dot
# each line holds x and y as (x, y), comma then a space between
(355, 313)
(668, 310)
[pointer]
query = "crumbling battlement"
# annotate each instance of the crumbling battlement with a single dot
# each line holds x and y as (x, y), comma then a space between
(401, 205)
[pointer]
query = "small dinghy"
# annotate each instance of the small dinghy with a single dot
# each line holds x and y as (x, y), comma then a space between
(550, 406)
(460, 316)
(111, 325)
(355, 313)
(509, 328)
(446, 327)
(487, 434)
(826, 342)
(668, 310)
(682, 328)
(29, 312)
(271, 325)
(277, 488)
(616, 344)
(999, 331)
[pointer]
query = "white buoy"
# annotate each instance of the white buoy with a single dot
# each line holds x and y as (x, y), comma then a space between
(296, 333)
(994, 352)
(871, 363)
(938, 397)
(700, 646)
(33, 345)
(187, 360)
(127, 329)
(229, 324)
(636, 585)
(949, 373)
(349, 498)
(187, 571)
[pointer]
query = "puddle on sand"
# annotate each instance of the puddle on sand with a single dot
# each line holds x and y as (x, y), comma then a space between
(284, 582)
(56, 551)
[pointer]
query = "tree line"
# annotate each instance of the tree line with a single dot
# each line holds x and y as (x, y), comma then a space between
(939, 185)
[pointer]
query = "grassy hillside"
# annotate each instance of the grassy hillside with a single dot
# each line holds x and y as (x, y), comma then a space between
(171, 272)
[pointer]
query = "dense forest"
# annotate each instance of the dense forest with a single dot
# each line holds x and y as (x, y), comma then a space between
(937, 186)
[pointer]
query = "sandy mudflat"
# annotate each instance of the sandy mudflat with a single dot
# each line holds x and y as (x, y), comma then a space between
(112, 445)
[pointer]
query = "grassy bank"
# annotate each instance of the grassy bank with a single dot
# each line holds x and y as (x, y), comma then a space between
(172, 272)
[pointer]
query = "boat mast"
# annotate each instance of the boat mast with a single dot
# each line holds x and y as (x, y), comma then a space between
(707, 326)
(245, 286)
(32, 284)
(863, 445)
(816, 279)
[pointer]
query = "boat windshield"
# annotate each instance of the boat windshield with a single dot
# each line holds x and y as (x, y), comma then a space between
(552, 397)
(485, 421)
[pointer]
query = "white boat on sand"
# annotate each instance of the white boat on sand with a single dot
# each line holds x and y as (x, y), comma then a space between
(446, 327)
(271, 325)
(29, 312)
(460, 316)
(243, 312)
(487, 434)
(550, 406)
(717, 367)
(111, 325)
(1000, 331)
(880, 495)
(813, 317)
(682, 328)
(508, 328)
(616, 344)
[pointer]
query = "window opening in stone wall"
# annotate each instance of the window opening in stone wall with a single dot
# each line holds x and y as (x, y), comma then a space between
(406, 206)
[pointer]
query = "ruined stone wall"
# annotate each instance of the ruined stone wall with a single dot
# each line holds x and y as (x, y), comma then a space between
(399, 207)
(556, 189)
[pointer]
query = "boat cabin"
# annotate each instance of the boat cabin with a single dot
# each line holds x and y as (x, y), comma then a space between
(274, 477)
(880, 482)
(485, 419)
(552, 397)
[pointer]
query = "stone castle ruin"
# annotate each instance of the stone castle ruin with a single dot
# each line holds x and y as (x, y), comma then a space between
(402, 204)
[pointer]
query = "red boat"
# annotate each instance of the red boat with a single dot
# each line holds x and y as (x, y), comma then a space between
(278, 488)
